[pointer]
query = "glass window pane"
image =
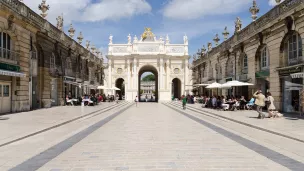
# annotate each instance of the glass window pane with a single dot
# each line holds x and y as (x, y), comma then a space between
(0, 90)
(4, 40)
(6, 91)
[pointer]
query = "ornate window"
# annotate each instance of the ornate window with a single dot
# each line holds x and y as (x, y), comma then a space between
(264, 58)
(230, 68)
(294, 49)
(5, 45)
(52, 61)
(68, 63)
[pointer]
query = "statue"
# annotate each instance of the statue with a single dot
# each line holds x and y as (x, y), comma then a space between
(238, 25)
(129, 39)
(87, 44)
(60, 22)
(167, 39)
(194, 57)
(148, 34)
(185, 39)
(135, 39)
(209, 46)
(111, 39)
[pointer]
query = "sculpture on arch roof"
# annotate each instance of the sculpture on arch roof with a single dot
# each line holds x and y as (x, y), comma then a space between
(60, 22)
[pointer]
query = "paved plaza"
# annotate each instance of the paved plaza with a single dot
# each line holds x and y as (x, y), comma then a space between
(152, 136)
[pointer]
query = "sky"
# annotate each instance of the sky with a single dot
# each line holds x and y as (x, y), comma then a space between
(200, 20)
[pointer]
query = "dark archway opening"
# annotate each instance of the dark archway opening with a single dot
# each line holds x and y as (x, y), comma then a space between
(120, 83)
(176, 88)
(148, 84)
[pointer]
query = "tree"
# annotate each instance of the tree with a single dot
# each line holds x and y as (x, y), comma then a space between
(141, 92)
(150, 77)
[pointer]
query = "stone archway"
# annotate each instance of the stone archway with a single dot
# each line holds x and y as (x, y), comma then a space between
(153, 70)
(120, 83)
(176, 88)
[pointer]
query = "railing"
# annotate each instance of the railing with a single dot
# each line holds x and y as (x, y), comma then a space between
(229, 74)
(69, 72)
(85, 77)
(9, 56)
(296, 61)
(210, 77)
(242, 77)
(219, 76)
(205, 79)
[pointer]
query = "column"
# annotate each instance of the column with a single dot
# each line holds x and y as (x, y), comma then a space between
(186, 75)
(167, 75)
(128, 72)
(110, 74)
(135, 74)
(161, 65)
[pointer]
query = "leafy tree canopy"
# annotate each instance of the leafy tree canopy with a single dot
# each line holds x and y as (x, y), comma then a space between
(150, 77)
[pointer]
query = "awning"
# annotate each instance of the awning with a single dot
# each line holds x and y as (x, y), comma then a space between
(71, 82)
(12, 73)
(297, 75)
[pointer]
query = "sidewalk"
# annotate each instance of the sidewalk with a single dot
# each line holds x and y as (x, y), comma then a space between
(290, 126)
(17, 125)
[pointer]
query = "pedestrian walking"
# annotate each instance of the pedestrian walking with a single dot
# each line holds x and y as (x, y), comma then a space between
(259, 102)
(184, 101)
(136, 101)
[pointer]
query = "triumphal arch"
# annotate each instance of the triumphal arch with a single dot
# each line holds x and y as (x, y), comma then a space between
(148, 53)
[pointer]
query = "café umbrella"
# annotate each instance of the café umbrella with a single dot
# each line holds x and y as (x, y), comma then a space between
(214, 85)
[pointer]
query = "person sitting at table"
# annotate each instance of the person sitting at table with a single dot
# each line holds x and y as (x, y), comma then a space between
(225, 106)
(243, 103)
(68, 100)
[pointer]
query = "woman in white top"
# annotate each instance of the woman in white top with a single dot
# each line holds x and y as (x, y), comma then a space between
(224, 106)
(270, 101)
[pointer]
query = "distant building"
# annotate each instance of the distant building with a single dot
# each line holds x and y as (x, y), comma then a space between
(148, 87)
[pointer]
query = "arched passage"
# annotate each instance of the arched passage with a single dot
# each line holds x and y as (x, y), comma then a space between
(176, 88)
(153, 70)
(120, 83)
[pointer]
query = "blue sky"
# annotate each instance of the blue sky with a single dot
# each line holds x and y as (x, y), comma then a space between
(200, 20)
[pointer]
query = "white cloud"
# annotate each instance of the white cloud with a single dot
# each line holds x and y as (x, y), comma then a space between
(193, 9)
(71, 9)
(85, 10)
(115, 9)
(273, 2)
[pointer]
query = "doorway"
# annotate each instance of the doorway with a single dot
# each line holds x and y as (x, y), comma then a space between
(148, 84)
(5, 97)
(120, 83)
(176, 88)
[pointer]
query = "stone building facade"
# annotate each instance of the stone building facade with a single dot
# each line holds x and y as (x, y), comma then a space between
(39, 63)
(168, 62)
(266, 53)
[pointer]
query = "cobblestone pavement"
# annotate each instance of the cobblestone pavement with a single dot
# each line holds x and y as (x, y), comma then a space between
(292, 126)
(152, 137)
(17, 125)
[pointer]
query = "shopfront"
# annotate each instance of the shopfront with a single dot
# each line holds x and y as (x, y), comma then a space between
(71, 87)
(262, 80)
(291, 84)
(8, 75)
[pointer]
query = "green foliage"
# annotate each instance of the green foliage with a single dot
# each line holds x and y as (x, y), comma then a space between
(150, 77)
(141, 91)
(153, 91)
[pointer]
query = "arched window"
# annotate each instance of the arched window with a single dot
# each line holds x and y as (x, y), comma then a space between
(52, 61)
(245, 64)
(294, 49)
(5, 45)
(230, 68)
(264, 58)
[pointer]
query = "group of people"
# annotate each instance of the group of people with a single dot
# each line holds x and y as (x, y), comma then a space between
(90, 100)
(258, 101)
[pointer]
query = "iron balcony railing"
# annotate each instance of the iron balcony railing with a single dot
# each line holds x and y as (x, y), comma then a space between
(242, 77)
(296, 61)
(9, 55)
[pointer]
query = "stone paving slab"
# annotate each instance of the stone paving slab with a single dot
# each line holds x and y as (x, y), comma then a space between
(154, 137)
(17, 125)
(291, 126)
